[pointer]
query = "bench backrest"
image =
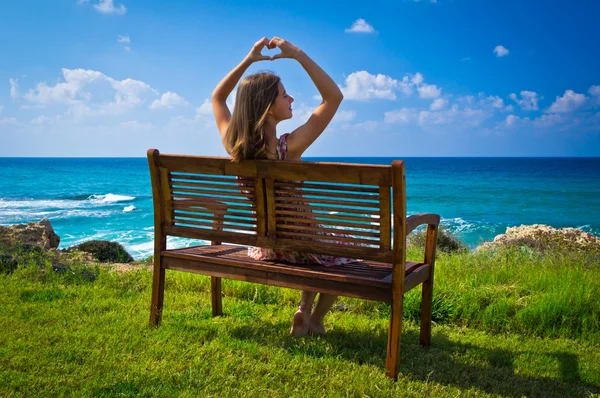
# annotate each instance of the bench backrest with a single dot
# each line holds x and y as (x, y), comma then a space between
(300, 206)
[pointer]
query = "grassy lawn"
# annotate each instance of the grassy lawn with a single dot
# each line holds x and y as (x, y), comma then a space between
(509, 324)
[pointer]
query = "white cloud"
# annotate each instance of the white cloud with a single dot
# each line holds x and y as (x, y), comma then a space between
(107, 7)
(466, 116)
(123, 39)
(594, 91)
(168, 100)
(91, 93)
(40, 120)
(548, 120)
(369, 126)
(406, 85)
(528, 101)
(205, 108)
(429, 91)
(135, 125)
(360, 26)
(438, 104)
(568, 102)
(511, 119)
(9, 121)
(14, 88)
(411, 82)
(501, 51)
(344, 116)
(403, 115)
(364, 86)
(542, 122)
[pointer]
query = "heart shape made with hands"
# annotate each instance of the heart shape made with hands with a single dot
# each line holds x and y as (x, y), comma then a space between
(270, 46)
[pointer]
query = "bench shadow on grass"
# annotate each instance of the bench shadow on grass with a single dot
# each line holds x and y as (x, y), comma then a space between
(446, 362)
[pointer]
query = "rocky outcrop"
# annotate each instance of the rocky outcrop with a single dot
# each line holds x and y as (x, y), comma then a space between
(545, 238)
(38, 234)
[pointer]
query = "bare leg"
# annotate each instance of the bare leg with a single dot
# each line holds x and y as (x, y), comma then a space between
(302, 316)
(323, 306)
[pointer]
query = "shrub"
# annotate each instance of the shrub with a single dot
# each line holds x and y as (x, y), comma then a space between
(7, 263)
(447, 242)
(104, 251)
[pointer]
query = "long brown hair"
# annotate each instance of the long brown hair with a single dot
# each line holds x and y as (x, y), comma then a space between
(245, 135)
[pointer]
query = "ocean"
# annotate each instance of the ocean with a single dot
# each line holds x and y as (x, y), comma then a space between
(477, 198)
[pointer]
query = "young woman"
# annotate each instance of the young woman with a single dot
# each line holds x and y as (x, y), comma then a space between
(251, 133)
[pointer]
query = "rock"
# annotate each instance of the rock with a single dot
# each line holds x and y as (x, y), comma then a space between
(545, 238)
(39, 234)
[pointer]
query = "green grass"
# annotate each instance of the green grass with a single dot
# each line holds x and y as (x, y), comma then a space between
(507, 324)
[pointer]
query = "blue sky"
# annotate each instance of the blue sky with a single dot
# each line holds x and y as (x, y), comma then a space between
(420, 78)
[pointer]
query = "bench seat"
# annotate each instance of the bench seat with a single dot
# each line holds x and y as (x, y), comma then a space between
(362, 279)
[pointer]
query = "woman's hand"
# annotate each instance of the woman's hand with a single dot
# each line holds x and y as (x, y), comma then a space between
(288, 50)
(255, 54)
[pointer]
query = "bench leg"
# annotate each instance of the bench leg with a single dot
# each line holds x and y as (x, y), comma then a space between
(427, 292)
(394, 337)
(215, 291)
(158, 295)
(426, 301)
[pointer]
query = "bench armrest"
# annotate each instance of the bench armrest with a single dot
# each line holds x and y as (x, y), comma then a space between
(415, 220)
(208, 204)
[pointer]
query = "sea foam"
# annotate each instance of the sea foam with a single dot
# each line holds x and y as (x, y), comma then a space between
(110, 198)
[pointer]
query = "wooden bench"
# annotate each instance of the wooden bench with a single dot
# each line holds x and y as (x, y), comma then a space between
(282, 205)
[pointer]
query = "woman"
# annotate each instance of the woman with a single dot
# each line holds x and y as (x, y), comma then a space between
(250, 133)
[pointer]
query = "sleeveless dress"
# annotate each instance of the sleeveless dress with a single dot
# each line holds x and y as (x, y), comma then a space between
(259, 253)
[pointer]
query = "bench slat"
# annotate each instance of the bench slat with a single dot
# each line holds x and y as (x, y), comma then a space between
(366, 272)
(327, 230)
(312, 186)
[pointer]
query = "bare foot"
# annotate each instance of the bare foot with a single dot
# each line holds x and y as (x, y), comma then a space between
(301, 323)
(316, 327)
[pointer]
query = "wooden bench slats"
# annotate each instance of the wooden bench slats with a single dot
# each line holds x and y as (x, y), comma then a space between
(323, 229)
(317, 209)
(327, 172)
(235, 217)
(368, 224)
(210, 235)
(207, 196)
(196, 186)
(369, 199)
(193, 205)
(212, 225)
(180, 177)
(331, 249)
(217, 271)
(364, 206)
(368, 272)
(322, 216)
(212, 193)
(310, 186)
(291, 233)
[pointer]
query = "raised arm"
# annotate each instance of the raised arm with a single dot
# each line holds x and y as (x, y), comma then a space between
(226, 86)
(301, 138)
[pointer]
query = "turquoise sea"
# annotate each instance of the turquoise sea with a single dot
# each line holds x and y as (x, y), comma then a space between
(478, 198)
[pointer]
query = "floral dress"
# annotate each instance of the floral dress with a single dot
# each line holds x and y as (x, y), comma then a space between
(259, 253)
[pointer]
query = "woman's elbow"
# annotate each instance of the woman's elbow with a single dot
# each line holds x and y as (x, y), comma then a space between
(336, 97)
